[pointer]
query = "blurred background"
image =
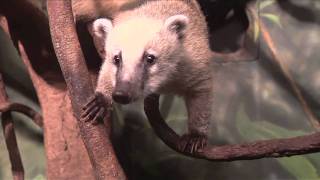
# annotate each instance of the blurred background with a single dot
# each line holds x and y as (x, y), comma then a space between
(253, 100)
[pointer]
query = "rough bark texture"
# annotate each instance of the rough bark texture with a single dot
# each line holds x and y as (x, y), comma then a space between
(71, 60)
(63, 145)
(67, 157)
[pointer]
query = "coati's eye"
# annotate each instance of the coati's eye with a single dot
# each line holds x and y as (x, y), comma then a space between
(150, 58)
(117, 59)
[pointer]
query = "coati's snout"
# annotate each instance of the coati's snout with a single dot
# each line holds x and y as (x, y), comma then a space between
(124, 92)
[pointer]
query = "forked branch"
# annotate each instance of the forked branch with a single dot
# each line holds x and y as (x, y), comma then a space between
(71, 60)
(6, 107)
(9, 134)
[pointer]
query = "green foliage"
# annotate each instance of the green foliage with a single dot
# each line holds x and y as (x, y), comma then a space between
(256, 30)
(300, 167)
(39, 177)
(273, 18)
(266, 3)
(269, 16)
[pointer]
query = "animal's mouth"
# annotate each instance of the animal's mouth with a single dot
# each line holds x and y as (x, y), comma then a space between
(123, 98)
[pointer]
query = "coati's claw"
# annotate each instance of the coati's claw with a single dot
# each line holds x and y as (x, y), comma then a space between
(192, 143)
(95, 109)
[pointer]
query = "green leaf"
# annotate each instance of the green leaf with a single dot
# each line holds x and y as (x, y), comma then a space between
(256, 31)
(265, 4)
(39, 177)
(273, 18)
(299, 166)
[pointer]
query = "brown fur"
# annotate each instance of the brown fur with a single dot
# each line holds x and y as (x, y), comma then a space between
(87, 10)
(196, 67)
(191, 77)
(93, 9)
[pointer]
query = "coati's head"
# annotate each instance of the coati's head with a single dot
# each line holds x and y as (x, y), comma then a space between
(140, 54)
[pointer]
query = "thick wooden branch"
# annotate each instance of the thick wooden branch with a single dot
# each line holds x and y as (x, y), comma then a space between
(70, 57)
(255, 150)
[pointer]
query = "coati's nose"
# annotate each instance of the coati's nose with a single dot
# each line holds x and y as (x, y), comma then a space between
(121, 97)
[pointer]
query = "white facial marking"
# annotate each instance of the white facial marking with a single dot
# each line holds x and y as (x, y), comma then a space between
(126, 76)
(131, 37)
(113, 79)
(153, 69)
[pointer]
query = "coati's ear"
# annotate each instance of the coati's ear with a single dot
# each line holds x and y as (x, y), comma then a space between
(99, 30)
(177, 24)
(100, 27)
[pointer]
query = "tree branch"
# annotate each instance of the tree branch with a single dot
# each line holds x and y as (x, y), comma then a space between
(17, 107)
(255, 150)
(279, 60)
(10, 136)
(8, 129)
(70, 57)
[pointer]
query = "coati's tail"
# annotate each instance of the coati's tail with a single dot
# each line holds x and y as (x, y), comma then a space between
(86, 10)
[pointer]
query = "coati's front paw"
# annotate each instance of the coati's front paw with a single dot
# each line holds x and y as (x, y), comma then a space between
(192, 143)
(95, 109)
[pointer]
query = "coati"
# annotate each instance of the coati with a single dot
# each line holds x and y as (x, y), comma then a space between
(158, 46)
(86, 10)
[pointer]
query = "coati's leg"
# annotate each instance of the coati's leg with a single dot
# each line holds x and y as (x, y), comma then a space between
(100, 104)
(95, 109)
(199, 111)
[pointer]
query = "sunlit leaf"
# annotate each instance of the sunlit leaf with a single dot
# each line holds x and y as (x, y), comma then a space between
(256, 31)
(265, 4)
(273, 18)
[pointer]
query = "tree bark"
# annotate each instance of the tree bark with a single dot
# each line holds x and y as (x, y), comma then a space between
(71, 59)
(9, 134)
(66, 155)
(254, 150)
